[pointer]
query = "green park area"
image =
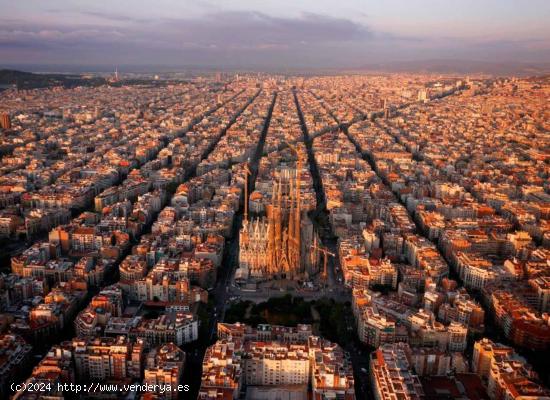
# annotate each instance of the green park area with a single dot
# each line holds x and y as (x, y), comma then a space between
(330, 319)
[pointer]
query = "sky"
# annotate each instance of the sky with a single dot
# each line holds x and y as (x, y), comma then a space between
(272, 33)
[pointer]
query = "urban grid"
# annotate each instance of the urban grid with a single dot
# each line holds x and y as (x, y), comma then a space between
(139, 219)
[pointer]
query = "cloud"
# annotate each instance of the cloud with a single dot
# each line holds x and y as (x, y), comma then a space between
(114, 17)
(257, 30)
(57, 37)
(223, 33)
(230, 38)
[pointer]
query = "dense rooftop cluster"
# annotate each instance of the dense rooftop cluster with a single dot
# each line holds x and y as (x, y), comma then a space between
(266, 358)
(125, 211)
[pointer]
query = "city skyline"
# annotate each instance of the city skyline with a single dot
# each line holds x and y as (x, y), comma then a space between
(266, 200)
(252, 236)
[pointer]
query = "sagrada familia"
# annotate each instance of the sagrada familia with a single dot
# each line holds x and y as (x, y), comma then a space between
(279, 245)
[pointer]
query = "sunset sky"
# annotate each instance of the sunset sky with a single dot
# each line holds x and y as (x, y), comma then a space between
(283, 33)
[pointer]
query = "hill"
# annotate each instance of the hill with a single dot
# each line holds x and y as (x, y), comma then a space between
(29, 80)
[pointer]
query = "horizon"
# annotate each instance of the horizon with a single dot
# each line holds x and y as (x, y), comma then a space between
(434, 66)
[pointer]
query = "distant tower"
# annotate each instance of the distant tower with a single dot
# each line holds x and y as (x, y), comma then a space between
(116, 74)
(5, 121)
(422, 95)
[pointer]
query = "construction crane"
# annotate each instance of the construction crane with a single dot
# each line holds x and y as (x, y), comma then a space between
(246, 173)
(326, 253)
